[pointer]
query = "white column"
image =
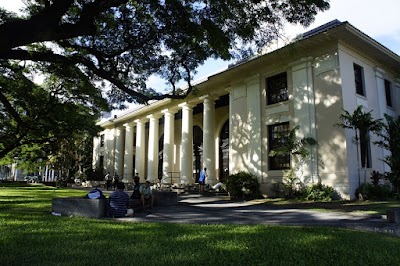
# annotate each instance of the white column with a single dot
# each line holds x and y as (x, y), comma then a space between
(119, 152)
(140, 148)
(96, 151)
(169, 142)
(128, 158)
(187, 144)
(209, 138)
(109, 151)
(152, 154)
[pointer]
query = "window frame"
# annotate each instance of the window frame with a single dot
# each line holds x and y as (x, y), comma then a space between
(359, 79)
(388, 92)
(275, 92)
(278, 162)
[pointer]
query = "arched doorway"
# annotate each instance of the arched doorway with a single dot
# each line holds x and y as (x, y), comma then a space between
(224, 152)
(197, 152)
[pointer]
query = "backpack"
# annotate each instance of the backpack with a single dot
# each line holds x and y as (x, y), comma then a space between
(95, 194)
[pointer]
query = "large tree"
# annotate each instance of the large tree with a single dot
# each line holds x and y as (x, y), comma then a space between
(116, 45)
(124, 41)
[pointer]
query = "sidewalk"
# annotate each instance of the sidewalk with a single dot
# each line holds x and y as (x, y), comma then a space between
(196, 209)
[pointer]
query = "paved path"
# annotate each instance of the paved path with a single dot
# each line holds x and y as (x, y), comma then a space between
(196, 209)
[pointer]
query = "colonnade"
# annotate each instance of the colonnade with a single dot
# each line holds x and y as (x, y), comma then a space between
(119, 149)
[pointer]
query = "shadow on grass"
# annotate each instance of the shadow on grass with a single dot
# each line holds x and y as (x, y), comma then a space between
(374, 207)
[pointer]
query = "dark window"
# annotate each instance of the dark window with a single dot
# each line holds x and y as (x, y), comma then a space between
(102, 140)
(275, 133)
(388, 90)
(101, 163)
(359, 79)
(277, 90)
(365, 149)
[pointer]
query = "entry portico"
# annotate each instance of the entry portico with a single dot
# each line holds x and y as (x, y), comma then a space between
(156, 141)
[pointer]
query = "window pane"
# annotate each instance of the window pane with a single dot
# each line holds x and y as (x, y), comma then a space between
(388, 93)
(359, 80)
(365, 150)
(275, 133)
(277, 88)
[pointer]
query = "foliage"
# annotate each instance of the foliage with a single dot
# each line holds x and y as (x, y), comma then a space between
(390, 140)
(318, 192)
(374, 190)
(362, 123)
(299, 149)
(369, 191)
(88, 51)
(94, 175)
(292, 185)
(26, 223)
(33, 118)
(243, 186)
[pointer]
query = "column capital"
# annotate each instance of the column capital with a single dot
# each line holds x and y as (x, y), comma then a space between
(154, 116)
(130, 124)
(140, 121)
(209, 97)
(170, 110)
(186, 105)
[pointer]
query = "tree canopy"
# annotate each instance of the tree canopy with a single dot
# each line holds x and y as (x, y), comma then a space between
(91, 50)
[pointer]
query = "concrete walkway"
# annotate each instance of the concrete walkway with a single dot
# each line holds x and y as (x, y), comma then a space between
(196, 209)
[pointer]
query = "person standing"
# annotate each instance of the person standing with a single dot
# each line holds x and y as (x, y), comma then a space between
(136, 188)
(116, 180)
(146, 194)
(202, 179)
(108, 180)
(119, 203)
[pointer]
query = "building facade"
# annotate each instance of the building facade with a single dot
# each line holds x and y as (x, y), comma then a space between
(233, 121)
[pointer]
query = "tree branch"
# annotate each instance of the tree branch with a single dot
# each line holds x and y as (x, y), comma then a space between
(47, 24)
(48, 56)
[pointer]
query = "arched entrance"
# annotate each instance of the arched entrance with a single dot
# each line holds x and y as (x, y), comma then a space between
(224, 152)
(197, 152)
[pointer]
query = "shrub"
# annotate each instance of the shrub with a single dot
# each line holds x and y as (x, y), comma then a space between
(374, 192)
(243, 186)
(318, 192)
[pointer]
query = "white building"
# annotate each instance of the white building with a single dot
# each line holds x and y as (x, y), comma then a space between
(230, 124)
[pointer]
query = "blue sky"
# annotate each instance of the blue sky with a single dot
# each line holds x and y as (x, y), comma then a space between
(378, 19)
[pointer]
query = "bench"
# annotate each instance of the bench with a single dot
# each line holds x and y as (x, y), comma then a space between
(165, 198)
(83, 207)
(161, 199)
(97, 208)
(393, 215)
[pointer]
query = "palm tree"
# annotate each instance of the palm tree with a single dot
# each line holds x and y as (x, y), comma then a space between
(362, 123)
(390, 140)
(300, 151)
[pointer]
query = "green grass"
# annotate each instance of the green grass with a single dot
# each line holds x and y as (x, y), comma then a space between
(30, 235)
(368, 207)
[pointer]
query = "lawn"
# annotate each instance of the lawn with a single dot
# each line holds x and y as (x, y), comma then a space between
(30, 235)
(368, 207)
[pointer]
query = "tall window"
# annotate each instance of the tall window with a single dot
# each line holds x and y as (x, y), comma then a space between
(359, 79)
(101, 163)
(365, 149)
(275, 133)
(102, 140)
(388, 92)
(277, 90)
